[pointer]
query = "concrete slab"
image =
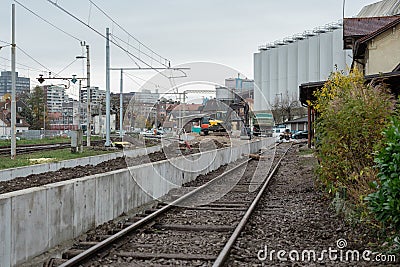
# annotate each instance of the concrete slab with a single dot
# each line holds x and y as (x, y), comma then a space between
(84, 205)
(29, 230)
(60, 211)
(5, 231)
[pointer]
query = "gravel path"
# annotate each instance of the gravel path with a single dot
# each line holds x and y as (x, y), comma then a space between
(294, 215)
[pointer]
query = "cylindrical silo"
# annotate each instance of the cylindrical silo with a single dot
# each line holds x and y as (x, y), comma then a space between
(266, 80)
(282, 68)
(325, 55)
(292, 85)
(273, 72)
(313, 58)
(257, 79)
(302, 62)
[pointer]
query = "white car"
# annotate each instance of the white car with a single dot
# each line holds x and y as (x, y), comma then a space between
(8, 137)
(153, 132)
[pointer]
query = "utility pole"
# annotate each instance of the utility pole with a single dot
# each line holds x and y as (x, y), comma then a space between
(108, 142)
(79, 104)
(13, 90)
(120, 105)
(89, 115)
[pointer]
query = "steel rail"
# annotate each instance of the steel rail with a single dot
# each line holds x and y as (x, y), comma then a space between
(223, 255)
(110, 240)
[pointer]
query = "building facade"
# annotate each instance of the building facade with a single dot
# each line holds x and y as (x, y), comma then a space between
(23, 84)
(96, 95)
(55, 97)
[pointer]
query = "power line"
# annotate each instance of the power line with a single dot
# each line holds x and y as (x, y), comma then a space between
(66, 67)
(23, 51)
(27, 67)
(102, 35)
(134, 61)
(166, 61)
(48, 22)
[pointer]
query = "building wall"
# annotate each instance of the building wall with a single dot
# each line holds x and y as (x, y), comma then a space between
(383, 52)
(55, 96)
(22, 83)
(99, 124)
(279, 69)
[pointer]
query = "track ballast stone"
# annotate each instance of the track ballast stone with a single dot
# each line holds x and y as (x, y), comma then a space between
(294, 216)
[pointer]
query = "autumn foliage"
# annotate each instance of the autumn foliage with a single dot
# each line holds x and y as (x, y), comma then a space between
(349, 126)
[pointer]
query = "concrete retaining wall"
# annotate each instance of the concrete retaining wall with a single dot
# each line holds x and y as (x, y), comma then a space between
(34, 220)
(9, 174)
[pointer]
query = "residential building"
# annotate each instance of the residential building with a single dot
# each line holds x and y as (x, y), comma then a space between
(374, 42)
(5, 118)
(96, 95)
(55, 97)
(22, 83)
(379, 52)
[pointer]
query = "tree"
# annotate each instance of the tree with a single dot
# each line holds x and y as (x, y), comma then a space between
(286, 107)
(36, 104)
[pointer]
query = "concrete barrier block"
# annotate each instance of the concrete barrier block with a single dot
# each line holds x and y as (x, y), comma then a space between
(29, 230)
(84, 205)
(5, 231)
(104, 198)
(60, 211)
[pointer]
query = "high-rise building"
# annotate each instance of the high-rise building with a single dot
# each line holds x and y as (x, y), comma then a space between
(96, 95)
(55, 97)
(22, 83)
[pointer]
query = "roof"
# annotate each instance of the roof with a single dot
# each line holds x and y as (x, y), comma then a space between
(381, 8)
(365, 26)
(304, 119)
(360, 45)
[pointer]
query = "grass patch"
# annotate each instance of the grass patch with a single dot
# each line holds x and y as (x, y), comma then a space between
(49, 140)
(56, 155)
(305, 151)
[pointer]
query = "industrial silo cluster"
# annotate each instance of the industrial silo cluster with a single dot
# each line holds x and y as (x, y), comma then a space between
(280, 67)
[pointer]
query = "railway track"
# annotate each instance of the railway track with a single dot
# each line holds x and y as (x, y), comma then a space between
(195, 228)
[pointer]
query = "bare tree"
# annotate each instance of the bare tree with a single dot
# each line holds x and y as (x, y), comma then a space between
(286, 107)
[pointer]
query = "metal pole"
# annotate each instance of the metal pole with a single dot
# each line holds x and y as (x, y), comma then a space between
(121, 98)
(13, 90)
(108, 143)
(89, 115)
(79, 104)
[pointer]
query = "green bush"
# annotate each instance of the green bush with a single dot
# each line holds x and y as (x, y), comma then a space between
(351, 118)
(385, 202)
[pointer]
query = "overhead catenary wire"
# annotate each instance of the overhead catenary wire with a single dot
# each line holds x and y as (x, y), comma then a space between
(166, 61)
(23, 65)
(103, 35)
(45, 20)
(134, 61)
(32, 58)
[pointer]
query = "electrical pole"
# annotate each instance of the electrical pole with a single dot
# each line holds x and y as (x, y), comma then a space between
(121, 96)
(13, 90)
(108, 143)
(89, 115)
(79, 104)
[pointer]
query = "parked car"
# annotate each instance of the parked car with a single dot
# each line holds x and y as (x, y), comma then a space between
(300, 135)
(8, 137)
(153, 132)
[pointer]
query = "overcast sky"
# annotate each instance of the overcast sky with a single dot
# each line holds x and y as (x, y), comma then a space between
(226, 32)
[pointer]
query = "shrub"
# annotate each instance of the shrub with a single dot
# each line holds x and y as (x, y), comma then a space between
(349, 128)
(385, 202)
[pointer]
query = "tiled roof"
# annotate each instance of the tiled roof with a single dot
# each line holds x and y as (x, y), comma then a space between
(365, 26)
(361, 43)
